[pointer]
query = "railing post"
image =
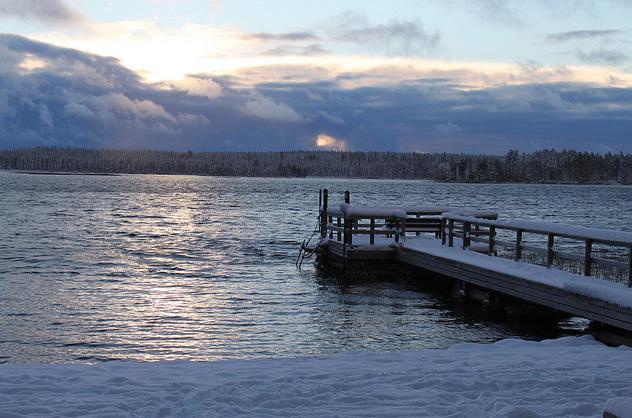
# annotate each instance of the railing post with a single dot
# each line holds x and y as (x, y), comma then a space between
(397, 230)
(338, 224)
(466, 234)
(443, 234)
(330, 220)
(588, 257)
(323, 214)
(348, 227)
(492, 240)
(450, 233)
(403, 226)
(549, 250)
(320, 198)
(630, 266)
(518, 244)
(347, 197)
(418, 233)
(372, 232)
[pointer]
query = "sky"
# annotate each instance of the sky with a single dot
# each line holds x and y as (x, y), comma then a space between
(477, 76)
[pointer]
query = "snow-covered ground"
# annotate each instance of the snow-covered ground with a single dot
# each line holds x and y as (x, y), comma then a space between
(572, 376)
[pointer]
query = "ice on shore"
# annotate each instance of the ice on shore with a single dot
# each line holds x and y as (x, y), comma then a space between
(571, 376)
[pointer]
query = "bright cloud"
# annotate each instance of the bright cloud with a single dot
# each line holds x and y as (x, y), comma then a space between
(329, 142)
(266, 108)
(158, 54)
(199, 86)
(31, 63)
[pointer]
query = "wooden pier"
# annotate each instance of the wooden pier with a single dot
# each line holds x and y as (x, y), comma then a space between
(586, 272)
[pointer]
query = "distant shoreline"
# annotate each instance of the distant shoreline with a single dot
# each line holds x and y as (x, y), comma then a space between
(83, 173)
(540, 167)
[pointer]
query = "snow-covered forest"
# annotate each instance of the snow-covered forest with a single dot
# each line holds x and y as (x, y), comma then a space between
(546, 166)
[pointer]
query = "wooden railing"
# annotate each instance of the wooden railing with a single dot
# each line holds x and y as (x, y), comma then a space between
(469, 229)
(347, 221)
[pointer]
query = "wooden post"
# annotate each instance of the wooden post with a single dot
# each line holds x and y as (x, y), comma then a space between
(518, 244)
(338, 224)
(466, 234)
(492, 240)
(630, 267)
(588, 257)
(348, 227)
(323, 214)
(549, 250)
(443, 234)
(372, 234)
(347, 199)
(320, 199)
(403, 226)
(450, 233)
(398, 224)
(330, 220)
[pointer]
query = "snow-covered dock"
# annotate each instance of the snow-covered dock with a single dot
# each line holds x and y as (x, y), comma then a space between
(464, 244)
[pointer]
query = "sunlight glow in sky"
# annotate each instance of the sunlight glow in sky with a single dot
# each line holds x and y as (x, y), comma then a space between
(167, 40)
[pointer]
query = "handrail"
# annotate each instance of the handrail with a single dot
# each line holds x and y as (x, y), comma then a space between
(605, 236)
(348, 222)
(589, 236)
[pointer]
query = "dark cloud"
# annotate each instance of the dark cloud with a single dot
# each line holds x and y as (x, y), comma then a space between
(397, 37)
(284, 37)
(602, 56)
(49, 11)
(581, 35)
(306, 50)
(77, 99)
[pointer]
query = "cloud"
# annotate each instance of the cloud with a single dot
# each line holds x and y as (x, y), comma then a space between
(266, 108)
(331, 143)
(337, 120)
(200, 86)
(79, 99)
(307, 50)
(602, 56)
(396, 37)
(47, 11)
(285, 37)
(447, 129)
(504, 12)
(581, 35)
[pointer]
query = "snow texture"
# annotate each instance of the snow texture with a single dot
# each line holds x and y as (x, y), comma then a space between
(619, 407)
(352, 211)
(396, 211)
(571, 376)
(610, 292)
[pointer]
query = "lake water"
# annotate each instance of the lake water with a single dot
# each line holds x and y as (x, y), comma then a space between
(141, 267)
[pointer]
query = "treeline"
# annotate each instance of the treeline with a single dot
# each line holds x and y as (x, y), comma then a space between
(546, 166)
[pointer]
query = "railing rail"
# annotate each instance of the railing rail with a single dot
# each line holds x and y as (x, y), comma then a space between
(470, 229)
(347, 221)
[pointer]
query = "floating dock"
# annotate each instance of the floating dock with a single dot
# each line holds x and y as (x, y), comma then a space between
(581, 271)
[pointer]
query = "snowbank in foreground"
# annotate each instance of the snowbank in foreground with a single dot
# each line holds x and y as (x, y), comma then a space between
(572, 376)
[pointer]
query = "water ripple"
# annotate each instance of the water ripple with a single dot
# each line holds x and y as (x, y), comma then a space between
(184, 267)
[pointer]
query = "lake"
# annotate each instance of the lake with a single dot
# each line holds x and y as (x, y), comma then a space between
(145, 267)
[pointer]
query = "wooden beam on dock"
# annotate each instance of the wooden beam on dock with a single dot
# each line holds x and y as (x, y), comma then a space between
(528, 290)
